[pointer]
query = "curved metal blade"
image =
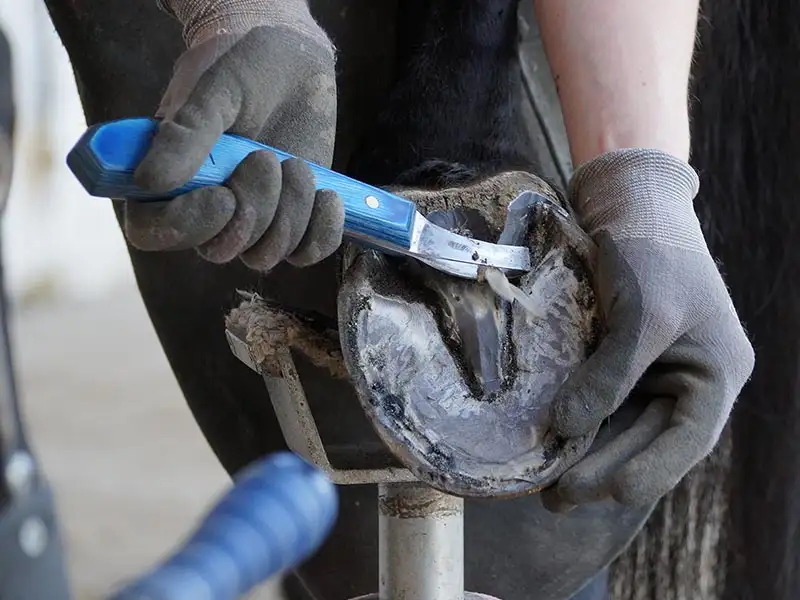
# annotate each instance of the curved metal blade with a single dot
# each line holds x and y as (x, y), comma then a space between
(437, 244)
(460, 269)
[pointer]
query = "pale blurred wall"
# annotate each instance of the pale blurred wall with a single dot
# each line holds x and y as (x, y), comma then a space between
(58, 241)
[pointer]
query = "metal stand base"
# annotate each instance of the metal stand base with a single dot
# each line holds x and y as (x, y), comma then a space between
(421, 545)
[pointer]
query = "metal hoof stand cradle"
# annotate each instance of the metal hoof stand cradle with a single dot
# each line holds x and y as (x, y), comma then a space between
(421, 530)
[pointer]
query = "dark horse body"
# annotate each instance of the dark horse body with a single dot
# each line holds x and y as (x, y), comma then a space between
(395, 116)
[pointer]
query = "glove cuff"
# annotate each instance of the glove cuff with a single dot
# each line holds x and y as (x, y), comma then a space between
(204, 19)
(638, 193)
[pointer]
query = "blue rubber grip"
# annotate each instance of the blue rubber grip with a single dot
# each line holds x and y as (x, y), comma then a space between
(105, 157)
(277, 514)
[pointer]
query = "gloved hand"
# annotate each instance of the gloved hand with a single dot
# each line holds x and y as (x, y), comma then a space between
(262, 69)
(672, 332)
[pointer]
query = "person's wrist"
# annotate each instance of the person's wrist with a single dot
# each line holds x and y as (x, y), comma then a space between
(616, 123)
(671, 136)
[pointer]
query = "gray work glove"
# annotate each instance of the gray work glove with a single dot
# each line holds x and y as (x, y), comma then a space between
(262, 69)
(672, 329)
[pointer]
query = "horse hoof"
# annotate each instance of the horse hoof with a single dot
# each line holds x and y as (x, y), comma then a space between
(457, 378)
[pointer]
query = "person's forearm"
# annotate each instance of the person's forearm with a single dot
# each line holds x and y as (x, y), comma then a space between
(622, 72)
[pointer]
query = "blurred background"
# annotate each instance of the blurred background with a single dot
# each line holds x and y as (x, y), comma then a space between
(130, 468)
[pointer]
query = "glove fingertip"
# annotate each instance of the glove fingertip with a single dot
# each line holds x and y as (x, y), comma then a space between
(554, 503)
(179, 224)
(571, 414)
(266, 253)
(299, 172)
(232, 238)
(633, 487)
(572, 487)
(257, 162)
(311, 254)
(176, 154)
(325, 231)
(261, 263)
(152, 175)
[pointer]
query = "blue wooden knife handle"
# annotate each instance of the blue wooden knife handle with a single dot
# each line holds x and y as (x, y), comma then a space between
(105, 157)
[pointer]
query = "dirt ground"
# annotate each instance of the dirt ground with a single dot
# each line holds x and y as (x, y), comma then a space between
(129, 466)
